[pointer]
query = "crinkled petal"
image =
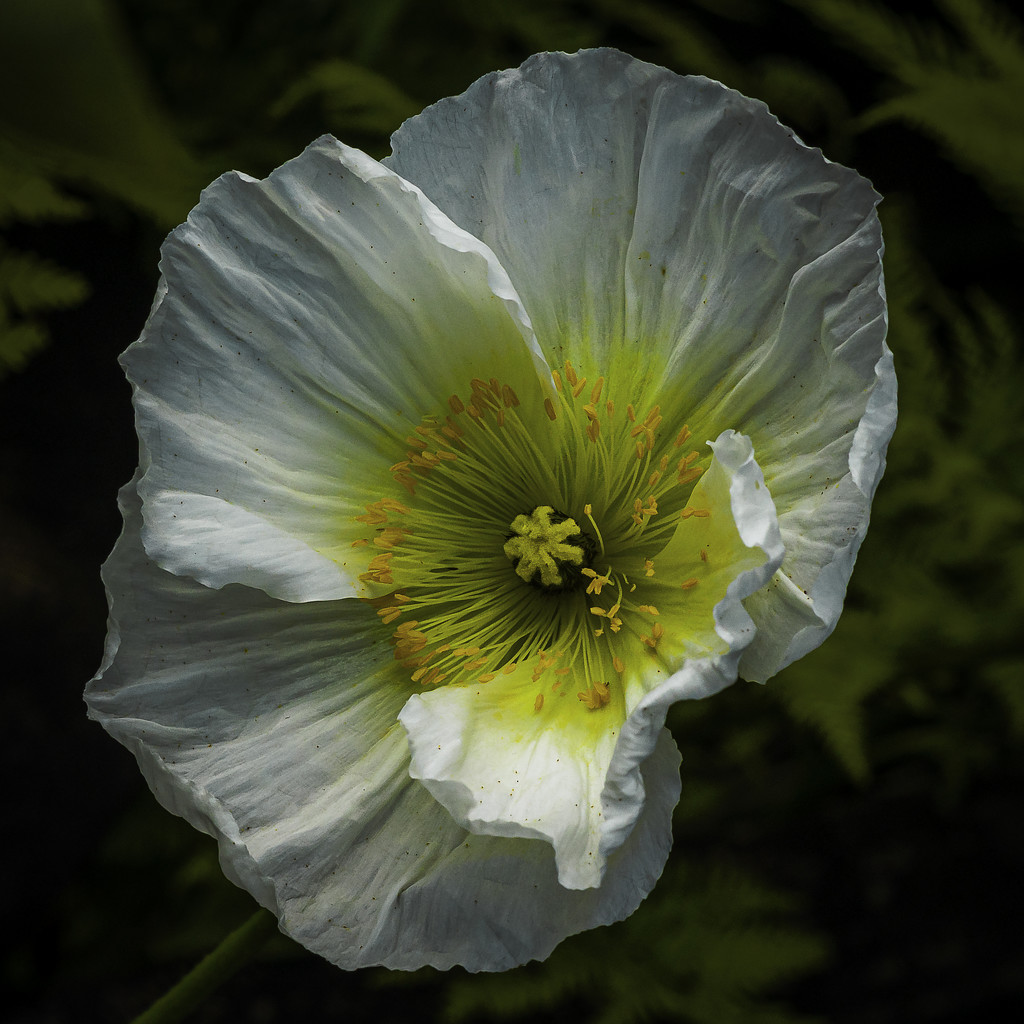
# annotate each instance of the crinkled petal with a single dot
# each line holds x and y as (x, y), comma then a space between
(671, 219)
(305, 325)
(515, 757)
(542, 163)
(272, 726)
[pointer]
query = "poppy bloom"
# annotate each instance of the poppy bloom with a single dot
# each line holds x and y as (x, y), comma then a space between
(457, 470)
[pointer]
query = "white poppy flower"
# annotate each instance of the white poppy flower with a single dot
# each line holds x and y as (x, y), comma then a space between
(457, 470)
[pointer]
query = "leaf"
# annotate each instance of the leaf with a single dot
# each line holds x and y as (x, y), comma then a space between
(77, 106)
(355, 99)
(963, 91)
(30, 285)
(705, 951)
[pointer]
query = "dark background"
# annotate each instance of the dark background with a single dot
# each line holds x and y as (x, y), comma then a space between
(849, 844)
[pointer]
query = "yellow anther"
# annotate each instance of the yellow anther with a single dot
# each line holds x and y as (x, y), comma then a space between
(593, 430)
(620, 665)
(509, 668)
(538, 702)
(597, 581)
(394, 506)
(578, 387)
(557, 378)
(609, 408)
(596, 610)
(549, 409)
(379, 570)
(682, 437)
(640, 449)
(398, 467)
(653, 478)
(389, 537)
(415, 442)
(361, 543)
(595, 696)
(703, 554)
(648, 608)
(648, 567)
(689, 475)
(570, 374)
(455, 404)
(374, 513)
(696, 513)
(486, 678)
(389, 614)
(631, 413)
(509, 397)
(591, 412)
(690, 583)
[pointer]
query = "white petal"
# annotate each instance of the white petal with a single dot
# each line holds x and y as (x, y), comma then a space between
(305, 325)
(676, 222)
(505, 766)
(541, 163)
(734, 475)
(272, 726)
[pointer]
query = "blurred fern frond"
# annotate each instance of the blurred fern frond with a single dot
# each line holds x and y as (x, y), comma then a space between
(354, 99)
(30, 286)
(74, 101)
(707, 951)
(946, 598)
(962, 87)
(680, 41)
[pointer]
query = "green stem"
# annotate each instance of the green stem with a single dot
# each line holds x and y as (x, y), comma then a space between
(211, 972)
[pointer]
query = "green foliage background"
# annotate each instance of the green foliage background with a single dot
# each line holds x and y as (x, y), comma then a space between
(849, 843)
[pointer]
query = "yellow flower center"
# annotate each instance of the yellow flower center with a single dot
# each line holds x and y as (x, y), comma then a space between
(474, 586)
(549, 550)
